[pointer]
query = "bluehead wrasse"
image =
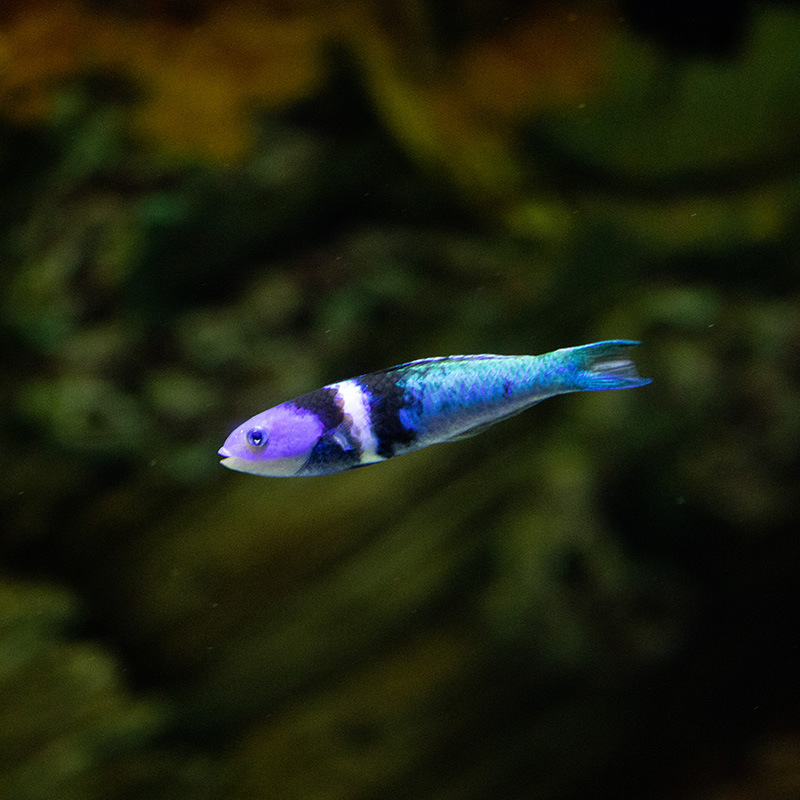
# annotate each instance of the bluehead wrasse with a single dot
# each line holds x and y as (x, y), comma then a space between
(374, 417)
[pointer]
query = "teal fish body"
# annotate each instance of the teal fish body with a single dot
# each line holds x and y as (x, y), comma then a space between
(374, 417)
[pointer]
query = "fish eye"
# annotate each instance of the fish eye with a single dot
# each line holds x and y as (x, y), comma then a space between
(257, 437)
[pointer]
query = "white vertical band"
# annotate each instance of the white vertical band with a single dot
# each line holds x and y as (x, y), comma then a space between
(355, 405)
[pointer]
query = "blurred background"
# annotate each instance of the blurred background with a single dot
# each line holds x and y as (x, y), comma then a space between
(211, 207)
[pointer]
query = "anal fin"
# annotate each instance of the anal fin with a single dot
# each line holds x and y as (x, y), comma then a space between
(481, 427)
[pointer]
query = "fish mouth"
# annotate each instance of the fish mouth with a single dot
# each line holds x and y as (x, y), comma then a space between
(232, 462)
(228, 460)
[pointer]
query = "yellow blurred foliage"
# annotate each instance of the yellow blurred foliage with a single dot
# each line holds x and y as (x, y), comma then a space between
(38, 46)
(553, 58)
(201, 79)
(461, 110)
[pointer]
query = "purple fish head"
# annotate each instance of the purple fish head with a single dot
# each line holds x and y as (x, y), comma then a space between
(275, 443)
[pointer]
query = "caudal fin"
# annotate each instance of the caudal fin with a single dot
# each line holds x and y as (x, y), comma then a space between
(604, 365)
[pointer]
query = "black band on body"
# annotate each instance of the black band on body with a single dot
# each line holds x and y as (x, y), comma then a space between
(386, 399)
(328, 456)
(323, 402)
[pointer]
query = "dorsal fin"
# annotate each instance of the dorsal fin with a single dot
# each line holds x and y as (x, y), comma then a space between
(439, 359)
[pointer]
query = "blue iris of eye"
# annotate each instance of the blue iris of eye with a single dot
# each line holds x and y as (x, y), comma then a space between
(257, 437)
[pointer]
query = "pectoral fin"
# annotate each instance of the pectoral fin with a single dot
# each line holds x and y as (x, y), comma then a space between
(339, 437)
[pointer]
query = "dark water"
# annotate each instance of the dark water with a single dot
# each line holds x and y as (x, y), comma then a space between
(210, 208)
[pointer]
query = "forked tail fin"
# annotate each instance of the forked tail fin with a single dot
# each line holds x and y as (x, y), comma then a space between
(604, 365)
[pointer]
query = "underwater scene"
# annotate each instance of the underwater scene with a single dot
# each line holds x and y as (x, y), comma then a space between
(253, 234)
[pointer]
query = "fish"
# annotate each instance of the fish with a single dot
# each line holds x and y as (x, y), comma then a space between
(380, 415)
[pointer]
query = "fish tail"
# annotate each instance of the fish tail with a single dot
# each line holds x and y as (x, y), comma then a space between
(603, 365)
